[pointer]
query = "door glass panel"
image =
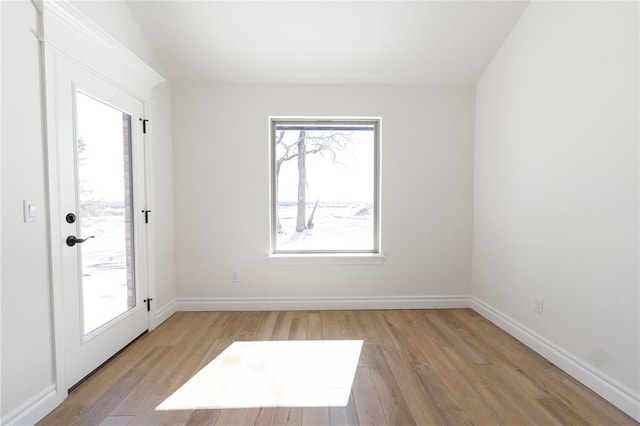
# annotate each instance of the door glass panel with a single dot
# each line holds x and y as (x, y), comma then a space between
(105, 211)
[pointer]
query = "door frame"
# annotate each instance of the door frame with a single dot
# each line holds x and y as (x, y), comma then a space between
(66, 32)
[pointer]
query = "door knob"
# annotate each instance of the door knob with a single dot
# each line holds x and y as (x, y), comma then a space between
(72, 240)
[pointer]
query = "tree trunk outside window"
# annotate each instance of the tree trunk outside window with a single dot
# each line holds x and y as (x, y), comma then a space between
(302, 181)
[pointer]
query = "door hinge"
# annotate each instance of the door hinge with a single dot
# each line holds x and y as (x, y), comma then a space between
(144, 124)
(148, 302)
(146, 215)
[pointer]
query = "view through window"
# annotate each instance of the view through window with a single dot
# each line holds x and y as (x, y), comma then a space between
(105, 207)
(325, 185)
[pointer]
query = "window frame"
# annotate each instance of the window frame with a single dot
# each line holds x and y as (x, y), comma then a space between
(376, 122)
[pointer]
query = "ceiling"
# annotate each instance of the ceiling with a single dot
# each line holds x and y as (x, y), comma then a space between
(356, 42)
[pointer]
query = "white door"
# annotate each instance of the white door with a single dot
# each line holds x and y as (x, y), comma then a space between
(102, 201)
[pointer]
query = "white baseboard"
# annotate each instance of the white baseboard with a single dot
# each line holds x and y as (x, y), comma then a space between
(34, 409)
(329, 303)
(620, 396)
(163, 314)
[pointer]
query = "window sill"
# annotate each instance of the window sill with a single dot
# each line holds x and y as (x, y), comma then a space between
(326, 259)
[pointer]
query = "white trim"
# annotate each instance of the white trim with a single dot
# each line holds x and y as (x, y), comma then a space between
(376, 123)
(322, 303)
(163, 314)
(53, 197)
(326, 259)
(68, 30)
(33, 410)
(622, 397)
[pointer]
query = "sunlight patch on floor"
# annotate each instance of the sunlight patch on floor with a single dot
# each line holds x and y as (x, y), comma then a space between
(311, 373)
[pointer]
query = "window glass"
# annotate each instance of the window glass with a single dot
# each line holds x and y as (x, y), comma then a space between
(325, 185)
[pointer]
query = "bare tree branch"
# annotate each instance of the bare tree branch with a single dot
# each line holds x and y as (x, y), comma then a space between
(308, 143)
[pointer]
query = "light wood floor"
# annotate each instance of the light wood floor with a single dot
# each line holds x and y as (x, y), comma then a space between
(422, 367)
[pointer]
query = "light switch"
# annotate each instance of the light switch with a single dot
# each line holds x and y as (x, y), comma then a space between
(30, 209)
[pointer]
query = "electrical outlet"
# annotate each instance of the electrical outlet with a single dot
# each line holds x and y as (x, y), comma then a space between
(538, 305)
(235, 277)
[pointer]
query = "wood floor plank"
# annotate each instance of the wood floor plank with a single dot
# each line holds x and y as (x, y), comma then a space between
(409, 336)
(160, 380)
(298, 330)
(248, 329)
(561, 412)
(171, 331)
(366, 399)
(231, 417)
(452, 368)
(447, 405)
(130, 404)
(422, 320)
(169, 374)
(104, 406)
(193, 361)
(352, 323)
(314, 328)
(229, 324)
(332, 325)
(314, 416)
(488, 394)
(424, 367)
(375, 329)
(474, 357)
(420, 404)
(492, 339)
(394, 405)
(476, 410)
(282, 326)
(338, 416)
(175, 417)
(216, 347)
(148, 415)
(94, 387)
(260, 416)
(266, 328)
(385, 335)
(203, 417)
(287, 416)
(116, 421)
(511, 394)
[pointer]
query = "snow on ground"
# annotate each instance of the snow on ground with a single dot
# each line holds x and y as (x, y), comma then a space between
(348, 227)
(104, 270)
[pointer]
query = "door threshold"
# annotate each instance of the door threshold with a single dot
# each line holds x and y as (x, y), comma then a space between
(88, 376)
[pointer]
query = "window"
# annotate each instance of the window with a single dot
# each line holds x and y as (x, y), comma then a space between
(325, 185)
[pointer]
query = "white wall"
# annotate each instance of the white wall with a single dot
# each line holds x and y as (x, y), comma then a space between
(116, 19)
(556, 190)
(222, 195)
(27, 354)
(162, 209)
